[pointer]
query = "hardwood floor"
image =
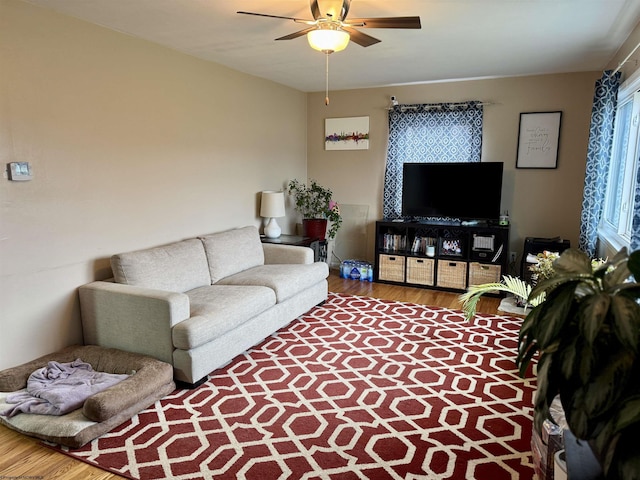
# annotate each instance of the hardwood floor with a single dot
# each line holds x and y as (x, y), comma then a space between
(26, 457)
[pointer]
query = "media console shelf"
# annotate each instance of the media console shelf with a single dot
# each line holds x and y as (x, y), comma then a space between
(440, 256)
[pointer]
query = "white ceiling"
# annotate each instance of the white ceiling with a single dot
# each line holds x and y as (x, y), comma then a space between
(459, 38)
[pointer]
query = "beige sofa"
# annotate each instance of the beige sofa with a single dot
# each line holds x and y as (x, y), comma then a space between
(198, 303)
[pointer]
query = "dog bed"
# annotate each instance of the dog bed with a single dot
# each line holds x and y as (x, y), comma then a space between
(149, 381)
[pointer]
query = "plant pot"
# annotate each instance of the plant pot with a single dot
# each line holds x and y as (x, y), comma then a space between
(314, 228)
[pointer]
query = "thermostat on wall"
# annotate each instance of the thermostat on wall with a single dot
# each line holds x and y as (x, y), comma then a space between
(19, 171)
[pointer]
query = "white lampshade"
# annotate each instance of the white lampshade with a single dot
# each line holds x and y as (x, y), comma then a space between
(272, 204)
(328, 40)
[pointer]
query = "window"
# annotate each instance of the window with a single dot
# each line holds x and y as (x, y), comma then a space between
(447, 132)
(616, 225)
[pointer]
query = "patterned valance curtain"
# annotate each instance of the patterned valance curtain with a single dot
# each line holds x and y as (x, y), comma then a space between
(603, 113)
(444, 132)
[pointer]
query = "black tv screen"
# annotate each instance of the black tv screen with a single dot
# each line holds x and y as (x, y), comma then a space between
(466, 191)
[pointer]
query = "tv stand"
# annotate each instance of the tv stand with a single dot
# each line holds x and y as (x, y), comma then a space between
(447, 255)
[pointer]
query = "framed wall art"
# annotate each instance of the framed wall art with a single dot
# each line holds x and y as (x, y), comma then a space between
(351, 133)
(538, 140)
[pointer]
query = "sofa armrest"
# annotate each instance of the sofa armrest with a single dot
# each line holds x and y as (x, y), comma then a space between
(275, 253)
(131, 318)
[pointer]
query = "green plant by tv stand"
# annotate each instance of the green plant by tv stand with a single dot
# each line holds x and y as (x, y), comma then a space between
(440, 255)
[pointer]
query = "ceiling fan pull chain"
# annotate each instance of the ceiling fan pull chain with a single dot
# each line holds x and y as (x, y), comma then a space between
(326, 81)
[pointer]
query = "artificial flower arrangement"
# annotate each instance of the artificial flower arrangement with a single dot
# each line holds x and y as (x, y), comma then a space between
(315, 202)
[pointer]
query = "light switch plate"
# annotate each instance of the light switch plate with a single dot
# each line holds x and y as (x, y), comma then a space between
(19, 171)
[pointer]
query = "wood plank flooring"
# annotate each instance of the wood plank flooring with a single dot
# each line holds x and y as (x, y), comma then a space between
(22, 456)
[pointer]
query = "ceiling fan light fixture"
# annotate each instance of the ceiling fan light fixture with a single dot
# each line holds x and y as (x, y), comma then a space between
(328, 40)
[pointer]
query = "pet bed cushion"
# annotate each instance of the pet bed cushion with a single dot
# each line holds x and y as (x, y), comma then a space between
(149, 381)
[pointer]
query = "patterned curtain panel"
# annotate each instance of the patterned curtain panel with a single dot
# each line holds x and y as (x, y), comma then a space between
(635, 226)
(603, 114)
(445, 132)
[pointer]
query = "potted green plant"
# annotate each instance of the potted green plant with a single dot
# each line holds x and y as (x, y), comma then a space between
(512, 285)
(587, 334)
(317, 207)
(515, 286)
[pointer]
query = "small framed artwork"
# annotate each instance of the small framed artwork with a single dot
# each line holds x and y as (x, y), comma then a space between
(538, 140)
(451, 247)
(350, 133)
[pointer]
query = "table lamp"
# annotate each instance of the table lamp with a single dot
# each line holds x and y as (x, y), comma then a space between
(271, 207)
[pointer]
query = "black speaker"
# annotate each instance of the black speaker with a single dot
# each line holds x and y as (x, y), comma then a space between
(534, 245)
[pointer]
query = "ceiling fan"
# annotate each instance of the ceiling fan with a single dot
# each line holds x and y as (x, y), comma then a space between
(330, 31)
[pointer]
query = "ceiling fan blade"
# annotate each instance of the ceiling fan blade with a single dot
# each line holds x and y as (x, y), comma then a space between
(297, 34)
(334, 9)
(360, 38)
(345, 9)
(315, 10)
(297, 20)
(386, 22)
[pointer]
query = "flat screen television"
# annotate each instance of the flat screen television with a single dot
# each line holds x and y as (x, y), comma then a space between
(464, 191)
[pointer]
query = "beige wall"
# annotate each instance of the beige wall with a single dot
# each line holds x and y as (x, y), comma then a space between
(132, 145)
(633, 62)
(542, 203)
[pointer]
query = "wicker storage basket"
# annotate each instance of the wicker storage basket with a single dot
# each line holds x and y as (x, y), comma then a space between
(391, 268)
(420, 270)
(480, 273)
(452, 274)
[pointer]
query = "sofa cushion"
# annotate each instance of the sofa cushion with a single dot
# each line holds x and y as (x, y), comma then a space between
(285, 280)
(232, 251)
(176, 267)
(217, 309)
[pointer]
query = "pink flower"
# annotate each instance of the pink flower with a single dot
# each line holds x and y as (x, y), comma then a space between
(332, 204)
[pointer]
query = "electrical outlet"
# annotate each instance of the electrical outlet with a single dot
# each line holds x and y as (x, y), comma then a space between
(512, 257)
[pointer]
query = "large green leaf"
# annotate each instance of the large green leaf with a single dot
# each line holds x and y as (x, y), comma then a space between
(569, 358)
(526, 340)
(626, 461)
(603, 441)
(606, 384)
(629, 290)
(616, 276)
(509, 284)
(553, 316)
(547, 390)
(572, 261)
(585, 362)
(628, 413)
(634, 264)
(592, 314)
(620, 257)
(561, 281)
(626, 321)
(528, 323)
(575, 414)
(524, 358)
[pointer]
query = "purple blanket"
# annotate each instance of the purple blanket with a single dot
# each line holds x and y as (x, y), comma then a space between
(60, 388)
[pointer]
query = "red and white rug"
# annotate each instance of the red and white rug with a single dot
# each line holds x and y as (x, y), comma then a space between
(358, 388)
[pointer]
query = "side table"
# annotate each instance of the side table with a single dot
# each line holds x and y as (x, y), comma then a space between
(319, 247)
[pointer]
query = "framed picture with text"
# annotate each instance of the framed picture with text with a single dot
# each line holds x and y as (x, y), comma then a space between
(538, 140)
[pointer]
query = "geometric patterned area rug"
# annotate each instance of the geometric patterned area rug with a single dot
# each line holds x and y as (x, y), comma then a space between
(357, 388)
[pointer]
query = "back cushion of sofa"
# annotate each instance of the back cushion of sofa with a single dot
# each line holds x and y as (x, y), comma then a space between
(233, 251)
(177, 267)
